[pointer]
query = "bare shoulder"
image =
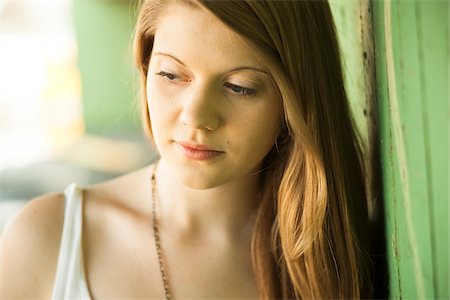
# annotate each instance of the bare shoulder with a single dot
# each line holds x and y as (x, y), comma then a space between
(132, 179)
(126, 191)
(29, 248)
(112, 205)
(29, 245)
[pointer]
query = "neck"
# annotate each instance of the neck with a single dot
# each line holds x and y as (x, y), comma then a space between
(226, 211)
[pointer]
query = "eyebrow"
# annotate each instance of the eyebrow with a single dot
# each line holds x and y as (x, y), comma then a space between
(232, 70)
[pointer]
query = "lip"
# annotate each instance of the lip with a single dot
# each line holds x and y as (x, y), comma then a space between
(197, 151)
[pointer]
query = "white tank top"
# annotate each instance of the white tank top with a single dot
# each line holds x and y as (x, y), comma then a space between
(70, 281)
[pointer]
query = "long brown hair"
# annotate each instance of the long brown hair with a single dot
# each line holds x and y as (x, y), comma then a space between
(312, 220)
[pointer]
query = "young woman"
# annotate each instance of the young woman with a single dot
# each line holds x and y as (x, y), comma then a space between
(259, 191)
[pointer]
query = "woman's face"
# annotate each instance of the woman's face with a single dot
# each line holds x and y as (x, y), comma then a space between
(213, 107)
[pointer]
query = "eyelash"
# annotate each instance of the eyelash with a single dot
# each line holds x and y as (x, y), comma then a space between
(167, 76)
(240, 90)
(235, 89)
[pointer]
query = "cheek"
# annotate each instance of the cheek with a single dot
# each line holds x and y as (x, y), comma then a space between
(261, 130)
(266, 133)
(157, 111)
(270, 119)
(157, 101)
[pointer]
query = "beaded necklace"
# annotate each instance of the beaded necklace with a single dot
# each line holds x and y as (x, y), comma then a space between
(157, 238)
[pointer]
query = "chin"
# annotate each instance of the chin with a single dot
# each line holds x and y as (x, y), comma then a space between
(195, 177)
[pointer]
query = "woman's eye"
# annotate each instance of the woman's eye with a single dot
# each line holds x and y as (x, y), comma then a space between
(168, 76)
(242, 91)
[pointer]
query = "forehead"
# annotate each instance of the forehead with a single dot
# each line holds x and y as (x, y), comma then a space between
(197, 37)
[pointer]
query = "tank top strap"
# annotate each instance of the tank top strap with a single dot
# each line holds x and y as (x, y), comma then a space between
(70, 281)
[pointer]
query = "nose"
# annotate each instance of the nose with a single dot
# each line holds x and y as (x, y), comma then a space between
(201, 108)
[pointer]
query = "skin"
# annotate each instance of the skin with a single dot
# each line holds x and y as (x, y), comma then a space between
(206, 209)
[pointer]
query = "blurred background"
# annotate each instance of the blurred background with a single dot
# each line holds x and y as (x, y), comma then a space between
(69, 97)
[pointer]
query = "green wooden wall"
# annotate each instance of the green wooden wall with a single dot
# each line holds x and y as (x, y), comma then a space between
(396, 62)
(411, 41)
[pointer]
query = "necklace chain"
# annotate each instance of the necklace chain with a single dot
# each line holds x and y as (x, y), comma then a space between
(156, 236)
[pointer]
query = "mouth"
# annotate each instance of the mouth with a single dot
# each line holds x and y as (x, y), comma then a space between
(197, 151)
